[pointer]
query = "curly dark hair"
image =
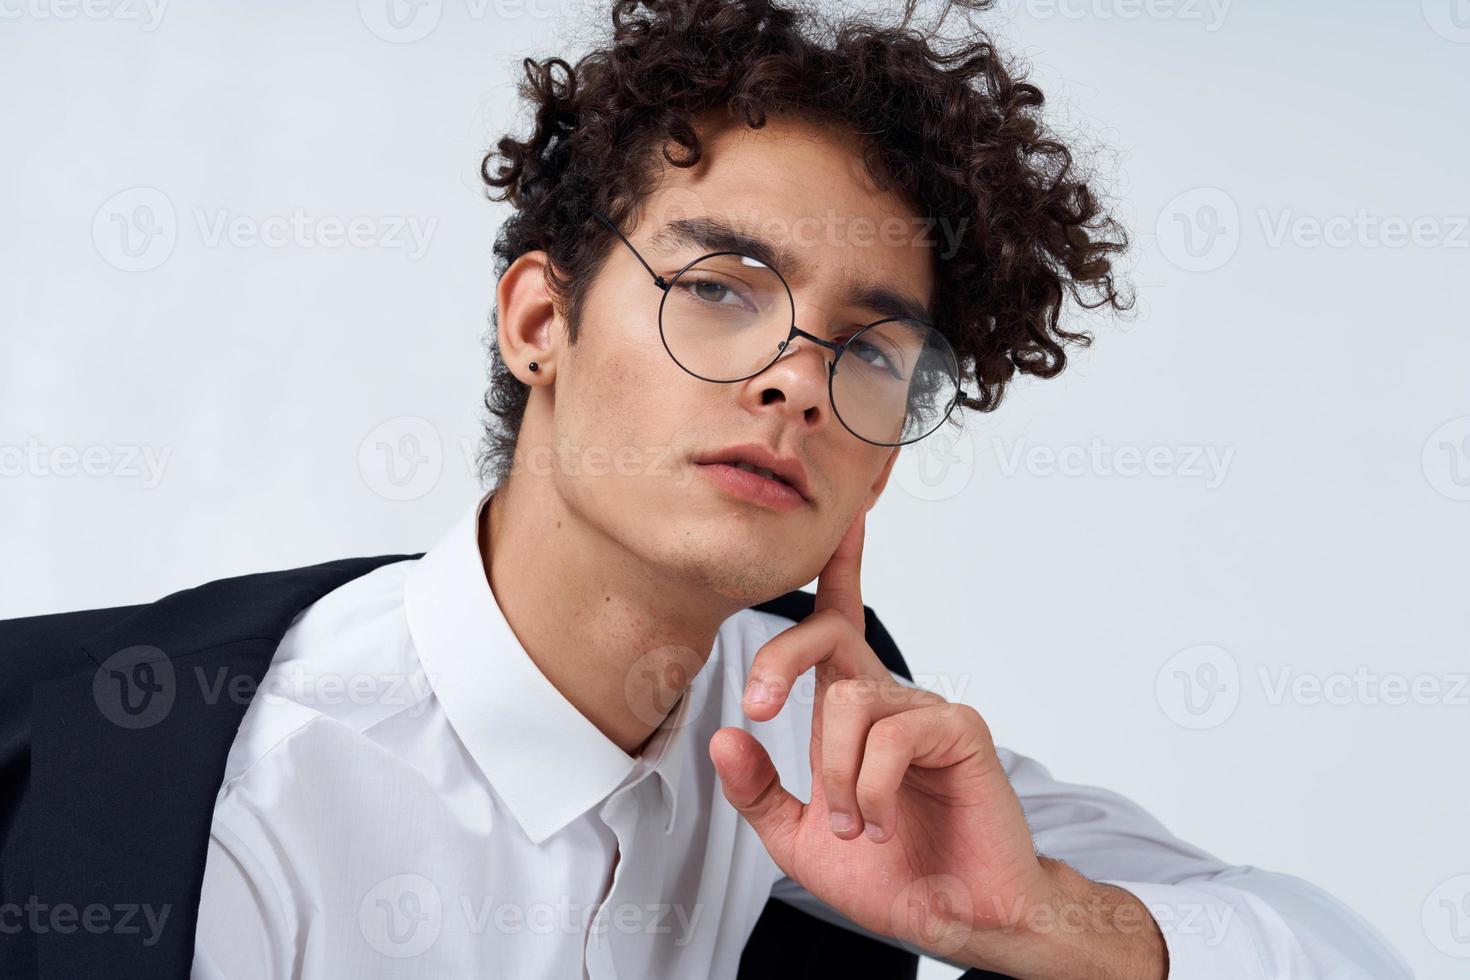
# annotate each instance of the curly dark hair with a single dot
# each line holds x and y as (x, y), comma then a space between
(950, 127)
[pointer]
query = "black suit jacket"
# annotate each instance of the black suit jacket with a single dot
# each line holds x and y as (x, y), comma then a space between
(114, 730)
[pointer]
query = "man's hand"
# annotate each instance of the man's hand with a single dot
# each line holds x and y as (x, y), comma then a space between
(913, 829)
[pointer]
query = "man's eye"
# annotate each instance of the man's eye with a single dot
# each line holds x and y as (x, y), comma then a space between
(711, 292)
(874, 355)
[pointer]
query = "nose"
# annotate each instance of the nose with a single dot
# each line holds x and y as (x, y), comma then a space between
(798, 385)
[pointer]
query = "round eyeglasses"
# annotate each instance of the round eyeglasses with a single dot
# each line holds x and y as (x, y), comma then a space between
(726, 317)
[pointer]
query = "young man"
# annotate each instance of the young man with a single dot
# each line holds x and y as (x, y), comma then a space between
(581, 727)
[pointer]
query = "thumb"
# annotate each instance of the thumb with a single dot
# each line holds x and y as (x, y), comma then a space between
(753, 787)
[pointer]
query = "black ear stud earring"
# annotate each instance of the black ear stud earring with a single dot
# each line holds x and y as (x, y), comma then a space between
(534, 367)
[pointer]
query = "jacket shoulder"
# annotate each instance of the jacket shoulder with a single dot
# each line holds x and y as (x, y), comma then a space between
(36, 648)
(60, 627)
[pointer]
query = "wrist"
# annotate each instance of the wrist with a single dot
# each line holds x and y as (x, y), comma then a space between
(1076, 928)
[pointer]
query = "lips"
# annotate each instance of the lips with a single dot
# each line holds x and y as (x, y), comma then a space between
(747, 467)
(764, 463)
(740, 480)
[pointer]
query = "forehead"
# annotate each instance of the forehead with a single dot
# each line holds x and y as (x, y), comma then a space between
(804, 188)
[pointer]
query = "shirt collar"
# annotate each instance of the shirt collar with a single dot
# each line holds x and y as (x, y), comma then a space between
(544, 758)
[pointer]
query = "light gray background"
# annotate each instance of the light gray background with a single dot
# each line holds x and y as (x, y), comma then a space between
(1326, 373)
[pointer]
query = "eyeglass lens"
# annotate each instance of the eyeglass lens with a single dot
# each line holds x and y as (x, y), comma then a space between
(725, 317)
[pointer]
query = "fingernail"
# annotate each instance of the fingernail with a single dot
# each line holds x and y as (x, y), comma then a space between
(757, 692)
(841, 822)
(875, 831)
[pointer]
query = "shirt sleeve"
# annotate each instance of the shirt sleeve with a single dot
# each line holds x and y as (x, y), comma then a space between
(1219, 921)
(243, 931)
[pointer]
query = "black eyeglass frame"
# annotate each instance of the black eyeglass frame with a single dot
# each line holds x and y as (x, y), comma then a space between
(666, 284)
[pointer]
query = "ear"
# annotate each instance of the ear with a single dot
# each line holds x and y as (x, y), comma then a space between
(882, 480)
(529, 324)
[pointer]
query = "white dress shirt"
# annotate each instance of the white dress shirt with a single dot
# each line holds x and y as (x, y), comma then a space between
(409, 796)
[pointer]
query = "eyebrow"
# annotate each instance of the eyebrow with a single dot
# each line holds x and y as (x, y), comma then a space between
(717, 235)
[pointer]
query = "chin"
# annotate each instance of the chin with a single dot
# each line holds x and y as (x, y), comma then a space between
(727, 560)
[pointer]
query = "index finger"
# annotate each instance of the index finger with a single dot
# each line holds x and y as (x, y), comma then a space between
(826, 641)
(839, 586)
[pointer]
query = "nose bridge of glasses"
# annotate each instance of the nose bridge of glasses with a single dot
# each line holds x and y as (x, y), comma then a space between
(800, 340)
(798, 335)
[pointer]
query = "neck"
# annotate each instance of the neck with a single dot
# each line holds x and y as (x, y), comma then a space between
(619, 641)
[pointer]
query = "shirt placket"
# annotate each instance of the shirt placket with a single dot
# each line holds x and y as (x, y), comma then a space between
(621, 940)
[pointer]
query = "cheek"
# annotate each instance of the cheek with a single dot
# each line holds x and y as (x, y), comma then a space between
(627, 395)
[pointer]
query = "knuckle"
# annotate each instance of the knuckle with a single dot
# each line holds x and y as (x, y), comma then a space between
(766, 799)
(886, 734)
(870, 796)
(835, 773)
(976, 723)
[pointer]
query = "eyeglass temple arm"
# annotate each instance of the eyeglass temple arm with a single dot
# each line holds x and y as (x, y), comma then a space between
(658, 280)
